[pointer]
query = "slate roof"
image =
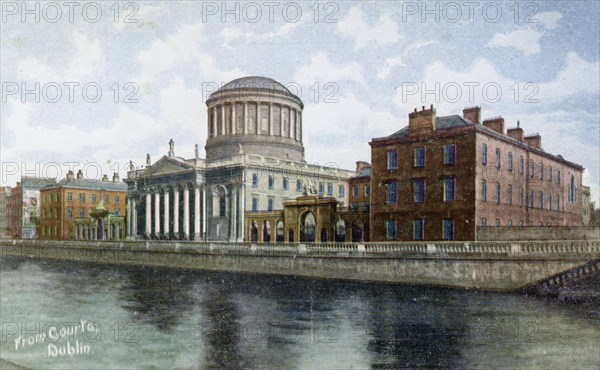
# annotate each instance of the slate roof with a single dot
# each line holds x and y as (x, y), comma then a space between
(442, 123)
(88, 184)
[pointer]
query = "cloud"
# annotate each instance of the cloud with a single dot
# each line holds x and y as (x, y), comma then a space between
(322, 70)
(525, 40)
(85, 60)
(577, 77)
(549, 20)
(398, 61)
(231, 34)
(145, 16)
(383, 32)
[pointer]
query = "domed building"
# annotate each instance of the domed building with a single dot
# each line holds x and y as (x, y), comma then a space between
(254, 162)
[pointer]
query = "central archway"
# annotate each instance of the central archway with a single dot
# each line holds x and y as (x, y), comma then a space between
(307, 228)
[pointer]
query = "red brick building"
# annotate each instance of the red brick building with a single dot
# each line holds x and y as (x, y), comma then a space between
(441, 177)
(23, 208)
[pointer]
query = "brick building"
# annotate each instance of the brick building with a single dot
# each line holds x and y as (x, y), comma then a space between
(441, 177)
(78, 208)
(23, 207)
(4, 194)
(359, 187)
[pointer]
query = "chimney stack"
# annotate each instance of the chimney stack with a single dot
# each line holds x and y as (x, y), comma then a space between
(70, 175)
(516, 132)
(473, 114)
(496, 124)
(116, 177)
(104, 178)
(361, 164)
(423, 122)
(534, 140)
(79, 175)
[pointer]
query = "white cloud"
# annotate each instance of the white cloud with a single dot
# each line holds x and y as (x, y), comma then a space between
(549, 20)
(577, 77)
(145, 16)
(355, 25)
(85, 60)
(525, 40)
(231, 34)
(398, 61)
(322, 70)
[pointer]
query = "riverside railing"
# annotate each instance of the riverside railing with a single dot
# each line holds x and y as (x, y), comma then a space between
(477, 249)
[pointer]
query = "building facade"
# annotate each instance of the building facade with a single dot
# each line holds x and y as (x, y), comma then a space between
(440, 177)
(23, 207)
(75, 208)
(4, 194)
(254, 161)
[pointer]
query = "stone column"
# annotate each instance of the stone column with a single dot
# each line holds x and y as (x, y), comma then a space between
(134, 218)
(270, 119)
(148, 214)
(196, 213)
(223, 122)
(129, 228)
(281, 132)
(176, 211)
(204, 221)
(157, 214)
(186, 212)
(245, 117)
(233, 213)
(242, 212)
(233, 121)
(166, 219)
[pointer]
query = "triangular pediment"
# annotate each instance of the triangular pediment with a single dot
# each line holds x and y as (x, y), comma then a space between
(167, 165)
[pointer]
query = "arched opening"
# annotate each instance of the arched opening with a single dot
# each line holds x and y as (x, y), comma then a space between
(323, 235)
(307, 228)
(100, 229)
(291, 236)
(254, 232)
(266, 232)
(340, 231)
(357, 231)
(280, 235)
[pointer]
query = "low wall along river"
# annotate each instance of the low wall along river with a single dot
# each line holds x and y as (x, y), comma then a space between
(502, 266)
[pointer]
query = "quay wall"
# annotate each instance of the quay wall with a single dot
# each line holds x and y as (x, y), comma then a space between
(501, 266)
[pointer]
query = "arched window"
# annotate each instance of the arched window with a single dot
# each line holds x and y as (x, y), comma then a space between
(340, 231)
(254, 232)
(307, 228)
(266, 232)
(357, 231)
(280, 232)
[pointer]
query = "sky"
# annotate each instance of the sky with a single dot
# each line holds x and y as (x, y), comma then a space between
(93, 85)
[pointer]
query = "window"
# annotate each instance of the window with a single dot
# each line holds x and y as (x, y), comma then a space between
(521, 166)
(449, 185)
(558, 177)
(367, 190)
(484, 222)
(549, 173)
(69, 213)
(93, 198)
(530, 200)
(321, 188)
(448, 229)
(419, 160)
(418, 229)
(117, 213)
(558, 202)
(549, 202)
(116, 199)
(497, 193)
(354, 206)
(54, 213)
(419, 190)
(484, 190)
(572, 190)
(81, 198)
(510, 223)
(81, 213)
(391, 190)
(392, 160)
(509, 195)
(298, 185)
(510, 161)
(106, 199)
(541, 196)
(342, 190)
(271, 181)
(498, 157)
(531, 168)
(390, 229)
(520, 197)
(366, 206)
(541, 171)
(286, 184)
(254, 204)
(270, 204)
(497, 222)
(484, 155)
(355, 191)
(329, 189)
(69, 197)
(254, 180)
(449, 154)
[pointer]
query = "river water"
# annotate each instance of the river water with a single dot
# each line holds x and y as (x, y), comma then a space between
(71, 315)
